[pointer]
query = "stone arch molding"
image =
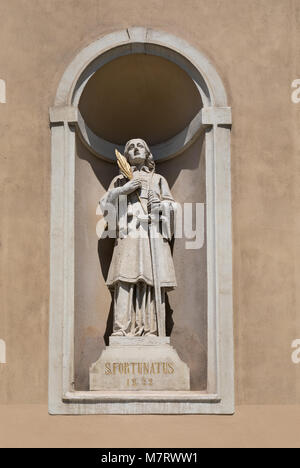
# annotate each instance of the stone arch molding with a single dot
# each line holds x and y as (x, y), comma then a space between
(151, 42)
(215, 121)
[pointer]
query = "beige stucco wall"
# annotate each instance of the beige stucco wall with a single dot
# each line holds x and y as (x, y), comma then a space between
(255, 47)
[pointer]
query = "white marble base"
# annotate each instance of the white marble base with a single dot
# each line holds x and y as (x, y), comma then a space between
(127, 364)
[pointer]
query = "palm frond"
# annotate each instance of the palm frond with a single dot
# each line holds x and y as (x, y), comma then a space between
(124, 166)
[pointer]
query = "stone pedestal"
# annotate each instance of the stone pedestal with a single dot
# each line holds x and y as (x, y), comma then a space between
(139, 363)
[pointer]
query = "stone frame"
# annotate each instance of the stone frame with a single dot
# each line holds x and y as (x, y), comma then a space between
(215, 120)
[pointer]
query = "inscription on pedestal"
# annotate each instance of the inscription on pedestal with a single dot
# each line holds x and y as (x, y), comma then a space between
(154, 367)
(139, 374)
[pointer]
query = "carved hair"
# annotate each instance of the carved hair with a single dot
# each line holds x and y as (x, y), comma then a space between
(149, 157)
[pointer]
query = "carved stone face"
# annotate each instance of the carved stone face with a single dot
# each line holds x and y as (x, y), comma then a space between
(136, 152)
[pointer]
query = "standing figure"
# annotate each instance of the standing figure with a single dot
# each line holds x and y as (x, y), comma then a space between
(132, 274)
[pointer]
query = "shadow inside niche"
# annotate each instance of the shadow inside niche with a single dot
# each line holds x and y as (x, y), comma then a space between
(169, 317)
(105, 251)
(187, 335)
(110, 321)
(170, 169)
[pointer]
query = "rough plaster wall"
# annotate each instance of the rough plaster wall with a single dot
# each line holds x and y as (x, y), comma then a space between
(254, 45)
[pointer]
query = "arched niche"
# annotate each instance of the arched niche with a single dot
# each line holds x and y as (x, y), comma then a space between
(70, 120)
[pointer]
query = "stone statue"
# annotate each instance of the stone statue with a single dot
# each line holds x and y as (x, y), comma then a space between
(141, 269)
(140, 212)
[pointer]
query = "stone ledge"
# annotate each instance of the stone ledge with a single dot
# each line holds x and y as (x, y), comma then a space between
(138, 340)
(93, 396)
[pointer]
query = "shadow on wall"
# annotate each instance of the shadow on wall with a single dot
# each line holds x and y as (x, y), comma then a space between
(185, 307)
(170, 169)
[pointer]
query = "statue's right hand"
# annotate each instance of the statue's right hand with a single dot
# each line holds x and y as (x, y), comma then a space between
(131, 186)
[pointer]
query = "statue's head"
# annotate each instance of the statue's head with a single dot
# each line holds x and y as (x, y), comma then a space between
(137, 152)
